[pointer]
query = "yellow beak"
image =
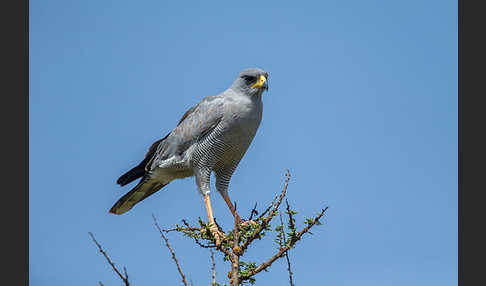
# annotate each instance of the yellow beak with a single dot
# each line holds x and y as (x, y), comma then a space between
(259, 82)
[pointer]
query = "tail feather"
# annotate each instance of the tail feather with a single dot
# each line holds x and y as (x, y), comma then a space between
(133, 174)
(140, 192)
(139, 170)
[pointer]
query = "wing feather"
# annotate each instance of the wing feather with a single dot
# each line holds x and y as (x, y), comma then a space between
(198, 121)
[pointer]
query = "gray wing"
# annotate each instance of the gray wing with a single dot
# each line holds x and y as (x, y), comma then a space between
(198, 121)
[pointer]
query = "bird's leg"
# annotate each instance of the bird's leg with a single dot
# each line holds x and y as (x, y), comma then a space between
(222, 180)
(202, 181)
(214, 229)
(233, 210)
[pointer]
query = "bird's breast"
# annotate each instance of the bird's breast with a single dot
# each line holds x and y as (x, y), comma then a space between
(244, 114)
(226, 145)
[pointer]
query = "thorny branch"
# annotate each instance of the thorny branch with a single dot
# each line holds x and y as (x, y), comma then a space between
(281, 246)
(124, 278)
(279, 254)
(195, 229)
(171, 251)
(236, 242)
(267, 219)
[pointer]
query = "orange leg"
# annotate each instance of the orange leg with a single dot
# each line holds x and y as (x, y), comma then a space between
(213, 227)
(232, 208)
(235, 214)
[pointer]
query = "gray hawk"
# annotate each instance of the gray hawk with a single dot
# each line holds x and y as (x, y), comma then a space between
(212, 136)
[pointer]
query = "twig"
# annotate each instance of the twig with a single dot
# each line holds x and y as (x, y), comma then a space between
(126, 273)
(289, 269)
(171, 251)
(287, 175)
(221, 247)
(291, 215)
(218, 226)
(194, 229)
(124, 278)
(101, 283)
(253, 211)
(213, 278)
(282, 231)
(266, 220)
(269, 207)
(179, 229)
(286, 252)
(269, 262)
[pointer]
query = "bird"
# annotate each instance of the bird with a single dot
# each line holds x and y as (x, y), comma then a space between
(211, 137)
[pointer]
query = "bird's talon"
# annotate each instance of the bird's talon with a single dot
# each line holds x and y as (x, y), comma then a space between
(218, 238)
(218, 235)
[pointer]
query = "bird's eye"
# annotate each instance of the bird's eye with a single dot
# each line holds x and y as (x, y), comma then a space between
(249, 78)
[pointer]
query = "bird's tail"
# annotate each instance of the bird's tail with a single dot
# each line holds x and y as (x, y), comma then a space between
(141, 191)
(134, 173)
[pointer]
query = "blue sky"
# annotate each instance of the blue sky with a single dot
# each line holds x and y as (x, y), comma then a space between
(362, 109)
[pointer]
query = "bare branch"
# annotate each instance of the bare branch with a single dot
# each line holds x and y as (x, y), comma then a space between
(171, 251)
(253, 211)
(126, 273)
(213, 277)
(273, 201)
(267, 219)
(124, 278)
(279, 254)
(289, 269)
(189, 228)
(269, 207)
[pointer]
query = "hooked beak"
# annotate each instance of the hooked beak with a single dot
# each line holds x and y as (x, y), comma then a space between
(261, 82)
(265, 85)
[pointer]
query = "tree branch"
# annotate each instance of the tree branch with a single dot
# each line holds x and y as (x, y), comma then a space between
(281, 245)
(213, 277)
(237, 241)
(124, 278)
(269, 262)
(235, 266)
(253, 212)
(171, 252)
(267, 219)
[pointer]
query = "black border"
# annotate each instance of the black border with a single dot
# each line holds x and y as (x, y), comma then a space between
(14, 221)
(471, 144)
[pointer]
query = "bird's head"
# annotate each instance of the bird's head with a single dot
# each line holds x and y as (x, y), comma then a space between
(251, 81)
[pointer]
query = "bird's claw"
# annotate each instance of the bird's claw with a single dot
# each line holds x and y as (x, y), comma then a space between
(218, 235)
